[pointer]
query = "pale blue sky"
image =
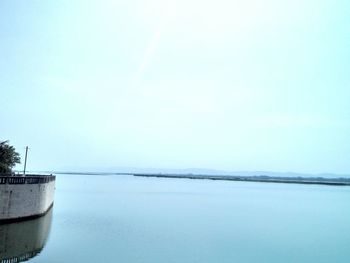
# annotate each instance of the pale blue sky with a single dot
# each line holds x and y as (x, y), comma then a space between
(232, 85)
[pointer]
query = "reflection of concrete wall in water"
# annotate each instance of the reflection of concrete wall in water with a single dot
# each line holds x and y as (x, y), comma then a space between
(24, 240)
(25, 196)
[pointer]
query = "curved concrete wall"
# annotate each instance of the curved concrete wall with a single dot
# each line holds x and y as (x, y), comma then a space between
(25, 196)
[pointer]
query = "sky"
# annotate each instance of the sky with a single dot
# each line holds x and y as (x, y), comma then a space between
(225, 84)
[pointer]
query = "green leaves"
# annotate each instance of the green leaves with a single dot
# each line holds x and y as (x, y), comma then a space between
(8, 157)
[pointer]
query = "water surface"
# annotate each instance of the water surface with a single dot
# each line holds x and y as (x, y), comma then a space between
(136, 219)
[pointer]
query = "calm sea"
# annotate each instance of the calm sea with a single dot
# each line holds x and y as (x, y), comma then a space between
(134, 219)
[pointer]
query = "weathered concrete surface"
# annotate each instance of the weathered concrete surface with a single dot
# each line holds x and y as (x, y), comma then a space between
(25, 200)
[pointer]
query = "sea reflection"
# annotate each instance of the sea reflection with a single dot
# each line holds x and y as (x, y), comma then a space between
(24, 240)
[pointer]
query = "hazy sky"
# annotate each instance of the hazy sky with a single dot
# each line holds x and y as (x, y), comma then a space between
(224, 84)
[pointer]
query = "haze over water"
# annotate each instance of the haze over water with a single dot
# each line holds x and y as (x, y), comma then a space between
(135, 219)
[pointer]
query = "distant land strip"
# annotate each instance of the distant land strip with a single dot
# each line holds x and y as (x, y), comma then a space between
(260, 179)
(339, 181)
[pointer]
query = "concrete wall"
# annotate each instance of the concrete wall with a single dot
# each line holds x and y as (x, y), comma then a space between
(23, 200)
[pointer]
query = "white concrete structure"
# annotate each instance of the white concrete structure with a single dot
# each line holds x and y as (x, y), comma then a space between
(25, 197)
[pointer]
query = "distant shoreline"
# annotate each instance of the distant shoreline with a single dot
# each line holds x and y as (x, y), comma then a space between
(340, 181)
(259, 179)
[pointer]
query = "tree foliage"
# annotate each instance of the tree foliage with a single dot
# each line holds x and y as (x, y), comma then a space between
(8, 157)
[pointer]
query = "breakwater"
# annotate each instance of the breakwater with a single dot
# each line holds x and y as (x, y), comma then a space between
(24, 197)
(261, 179)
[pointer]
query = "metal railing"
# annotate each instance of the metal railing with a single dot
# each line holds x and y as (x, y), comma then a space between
(28, 179)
